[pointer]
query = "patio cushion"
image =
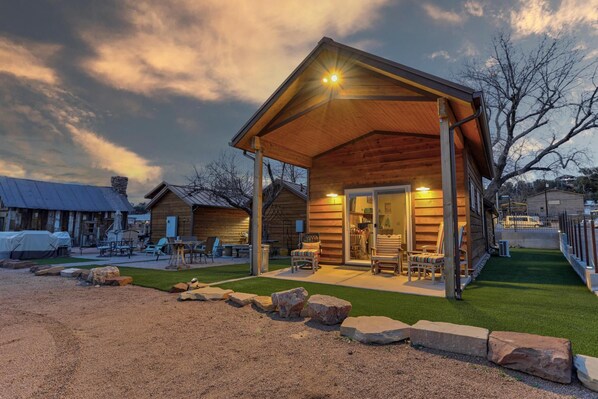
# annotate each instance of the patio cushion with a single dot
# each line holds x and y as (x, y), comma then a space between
(427, 258)
(310, 245)
(305, 252)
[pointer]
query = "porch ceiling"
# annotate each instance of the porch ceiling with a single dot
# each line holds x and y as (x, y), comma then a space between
(306, 117)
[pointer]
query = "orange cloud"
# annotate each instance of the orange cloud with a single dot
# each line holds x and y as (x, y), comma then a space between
(537, 16)
(27, 62)
(108, 156)
(213, 50)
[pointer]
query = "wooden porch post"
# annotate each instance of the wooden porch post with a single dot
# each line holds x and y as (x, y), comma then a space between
(256, 217)
(452, 272)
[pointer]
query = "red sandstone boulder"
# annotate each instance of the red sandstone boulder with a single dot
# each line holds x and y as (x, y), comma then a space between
(179, 287)
(119, 280)
(327, 309)
(545, 357)
(290, 302)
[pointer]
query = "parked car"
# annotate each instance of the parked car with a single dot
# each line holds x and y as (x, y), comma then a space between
(522, 221)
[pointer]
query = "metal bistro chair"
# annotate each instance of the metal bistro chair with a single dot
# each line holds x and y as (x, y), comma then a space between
(309, 253)
(386, 254)
(208, 250)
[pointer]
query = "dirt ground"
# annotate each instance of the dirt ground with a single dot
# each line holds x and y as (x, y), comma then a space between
(61, 340)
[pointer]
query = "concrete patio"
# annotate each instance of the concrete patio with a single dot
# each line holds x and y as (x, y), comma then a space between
(359, 277)
(144, 261)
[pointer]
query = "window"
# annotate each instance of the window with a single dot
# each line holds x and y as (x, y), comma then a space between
(475, 198)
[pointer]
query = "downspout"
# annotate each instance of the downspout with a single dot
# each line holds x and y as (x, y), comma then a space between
(458, 290)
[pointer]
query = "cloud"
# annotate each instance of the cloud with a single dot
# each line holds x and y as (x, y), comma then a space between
(438, 14)
(537, 17)
(47, 132)
(8, 168)
(216, 50)
(108, 156)
(27, 62)
(474, 8)
(443, 54)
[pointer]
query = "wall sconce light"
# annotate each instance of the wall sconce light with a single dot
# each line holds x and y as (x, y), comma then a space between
(332, 195)
(422, 189)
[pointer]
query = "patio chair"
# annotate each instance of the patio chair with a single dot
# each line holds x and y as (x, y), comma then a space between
(209, 249)
(156, 249)
(309, 253)
(431, 259)
(386, 253)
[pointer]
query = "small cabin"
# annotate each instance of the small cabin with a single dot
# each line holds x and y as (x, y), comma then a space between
(176, 212)
(388, 149)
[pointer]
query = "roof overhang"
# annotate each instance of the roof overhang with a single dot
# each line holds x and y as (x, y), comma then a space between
(305, 118)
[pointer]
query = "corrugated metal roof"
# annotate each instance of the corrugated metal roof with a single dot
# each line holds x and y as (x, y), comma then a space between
(34, 194)
(199, 198)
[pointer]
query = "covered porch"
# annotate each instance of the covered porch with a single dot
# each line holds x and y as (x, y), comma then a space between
(389, 151)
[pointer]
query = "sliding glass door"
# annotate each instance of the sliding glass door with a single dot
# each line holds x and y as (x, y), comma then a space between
(371, 212)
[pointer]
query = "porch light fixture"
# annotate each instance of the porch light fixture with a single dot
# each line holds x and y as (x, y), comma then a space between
(422, 189)
(332, 78)
(332, 195)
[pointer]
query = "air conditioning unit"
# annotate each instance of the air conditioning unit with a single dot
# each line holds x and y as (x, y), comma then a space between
(503, 249)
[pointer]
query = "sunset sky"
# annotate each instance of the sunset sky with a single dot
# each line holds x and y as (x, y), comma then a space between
(145, 89)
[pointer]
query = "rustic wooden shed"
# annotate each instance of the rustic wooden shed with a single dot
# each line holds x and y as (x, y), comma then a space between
(281, 217)
(389, 149)
(196, 214)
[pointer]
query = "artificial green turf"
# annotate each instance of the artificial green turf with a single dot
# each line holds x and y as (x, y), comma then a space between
(534, 291)
(61, 260)
(165, 279)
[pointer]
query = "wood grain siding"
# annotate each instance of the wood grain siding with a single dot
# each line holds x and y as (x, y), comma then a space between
(225, 223)
(380, 160)
(170, 205)
(280, 217)
(476, 246)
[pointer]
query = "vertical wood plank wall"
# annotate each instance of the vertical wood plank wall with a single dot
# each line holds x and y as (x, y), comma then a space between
(225, 223)
(380, 160)
(170, 205)
(477, 235)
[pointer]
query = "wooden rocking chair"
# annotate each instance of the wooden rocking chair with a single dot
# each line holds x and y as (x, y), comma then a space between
(387, 253)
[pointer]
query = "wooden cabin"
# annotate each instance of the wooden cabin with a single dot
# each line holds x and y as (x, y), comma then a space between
(86, 212)
(389, 150)
(175, 212)
(284, 218)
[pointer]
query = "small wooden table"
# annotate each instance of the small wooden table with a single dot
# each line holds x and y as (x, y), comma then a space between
(177, 257)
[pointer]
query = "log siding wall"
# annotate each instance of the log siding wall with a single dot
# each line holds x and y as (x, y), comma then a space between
(280, 217)
(376, 161)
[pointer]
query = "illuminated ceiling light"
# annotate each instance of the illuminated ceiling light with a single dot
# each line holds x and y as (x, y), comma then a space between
(332, 195)
(422, 189)
(325, 80)
(334, 77)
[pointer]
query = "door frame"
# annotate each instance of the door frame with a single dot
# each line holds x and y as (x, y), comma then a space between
(374, 191)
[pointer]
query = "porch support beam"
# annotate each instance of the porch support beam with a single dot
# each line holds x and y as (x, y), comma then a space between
(256, 211)
(449, 202)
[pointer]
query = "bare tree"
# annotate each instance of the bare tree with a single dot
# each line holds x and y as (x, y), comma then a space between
(226, 179)
(538, 100)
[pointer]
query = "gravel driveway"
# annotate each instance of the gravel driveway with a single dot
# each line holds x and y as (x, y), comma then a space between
(61, 340)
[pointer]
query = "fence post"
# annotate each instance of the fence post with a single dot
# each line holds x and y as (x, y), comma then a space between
(585, 239)
(575, 232)
(579, 247)
(594, 243)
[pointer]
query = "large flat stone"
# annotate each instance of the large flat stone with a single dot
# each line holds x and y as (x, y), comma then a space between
(545, 357)
(587, 371)
(205, 294)
(290, 302)
(70, 272)
(16, 264)
(52, 271)
(35, 268)
(241, 298)
(119, 280)
(327, 309)
(375, 329)
(455, 338)
(263, 303)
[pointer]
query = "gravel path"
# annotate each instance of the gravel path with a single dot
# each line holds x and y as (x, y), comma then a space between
(61, 340)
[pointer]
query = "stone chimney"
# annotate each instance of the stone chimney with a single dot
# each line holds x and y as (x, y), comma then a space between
(119, 184)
